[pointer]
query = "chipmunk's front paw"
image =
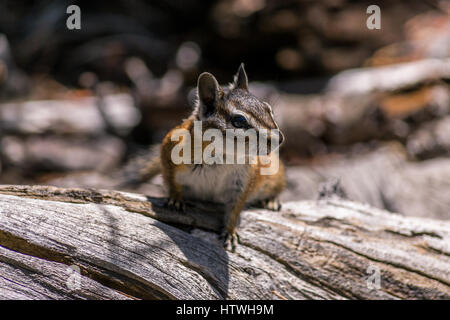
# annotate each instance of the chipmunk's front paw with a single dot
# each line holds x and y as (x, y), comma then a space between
(272, 204)
(230, 240)
(176, 205)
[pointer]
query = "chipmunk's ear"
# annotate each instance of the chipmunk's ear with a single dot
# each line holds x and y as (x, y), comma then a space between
(240, 79)
(209, 93)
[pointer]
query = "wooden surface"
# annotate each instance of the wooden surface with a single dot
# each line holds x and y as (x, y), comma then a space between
(384, 178)
(128, 246)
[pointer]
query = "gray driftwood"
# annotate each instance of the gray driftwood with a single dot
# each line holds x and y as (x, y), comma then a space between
(384, 178)
(390, 77)
(128, 246)
(63, 116)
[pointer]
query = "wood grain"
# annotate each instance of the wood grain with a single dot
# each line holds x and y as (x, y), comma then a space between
(128, 246)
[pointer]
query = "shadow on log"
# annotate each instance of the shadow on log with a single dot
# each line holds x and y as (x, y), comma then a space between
(128, 246)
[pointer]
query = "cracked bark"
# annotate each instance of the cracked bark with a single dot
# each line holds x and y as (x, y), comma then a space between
(128, 246)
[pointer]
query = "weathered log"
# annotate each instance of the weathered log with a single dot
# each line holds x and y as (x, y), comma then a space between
(77, 116)
(56, 153)
(389, 78)
(323, 122)
(129, 245)
(383, 178)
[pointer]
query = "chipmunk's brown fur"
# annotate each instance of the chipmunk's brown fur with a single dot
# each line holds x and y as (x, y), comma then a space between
(235, 185)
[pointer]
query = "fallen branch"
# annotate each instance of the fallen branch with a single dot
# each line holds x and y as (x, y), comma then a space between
(389, 78)
(129, 246)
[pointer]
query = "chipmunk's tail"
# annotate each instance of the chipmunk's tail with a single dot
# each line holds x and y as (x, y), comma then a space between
(140, 168)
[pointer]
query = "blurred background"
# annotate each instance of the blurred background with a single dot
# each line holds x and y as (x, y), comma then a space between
(368, 108)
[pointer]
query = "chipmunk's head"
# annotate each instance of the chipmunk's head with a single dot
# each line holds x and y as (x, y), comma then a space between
(235, 107)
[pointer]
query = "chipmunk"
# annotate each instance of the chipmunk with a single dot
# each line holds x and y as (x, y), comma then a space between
(234, 185)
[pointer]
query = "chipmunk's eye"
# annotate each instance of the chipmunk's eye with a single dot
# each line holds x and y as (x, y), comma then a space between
(239, 121)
